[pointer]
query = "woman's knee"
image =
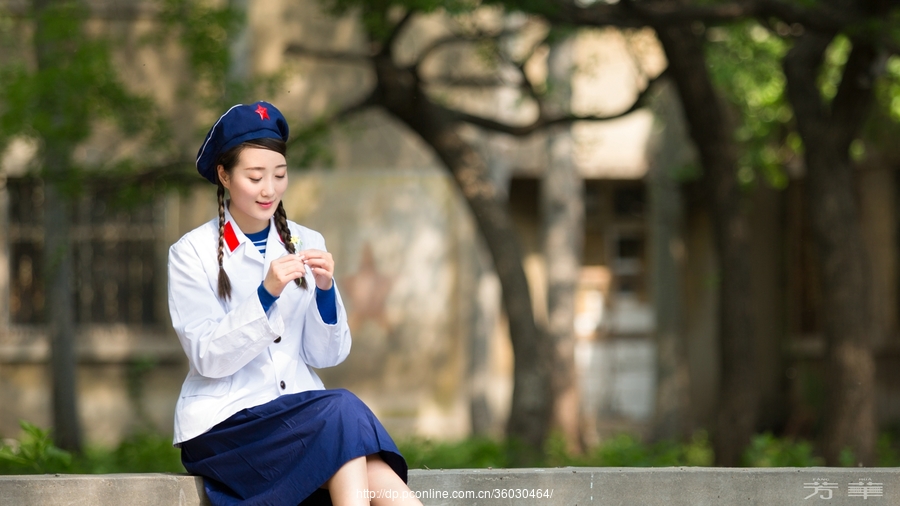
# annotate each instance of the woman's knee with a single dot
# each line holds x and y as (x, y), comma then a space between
(347, 400)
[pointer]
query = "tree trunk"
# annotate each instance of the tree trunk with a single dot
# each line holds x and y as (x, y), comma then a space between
(562, 232)
(711, 130)
(562, 211)
(671, 419)
(59, 302)
(57, 254)
(827, 132)
(532, 402)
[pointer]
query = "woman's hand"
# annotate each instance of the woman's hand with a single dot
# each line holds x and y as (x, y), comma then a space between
(281, 272)
(322, 265)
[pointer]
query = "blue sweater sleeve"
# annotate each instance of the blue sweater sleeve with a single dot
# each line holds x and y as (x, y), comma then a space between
(327, 305)
(265, 298)
(325, 301)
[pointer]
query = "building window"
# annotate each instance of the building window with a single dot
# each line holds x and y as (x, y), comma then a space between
(628, 263)
(114, 257)
(626, 234)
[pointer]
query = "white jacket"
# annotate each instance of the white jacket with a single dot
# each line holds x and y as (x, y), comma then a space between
(235, 361)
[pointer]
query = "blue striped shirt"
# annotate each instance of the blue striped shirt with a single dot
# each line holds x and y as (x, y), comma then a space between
(259, 240)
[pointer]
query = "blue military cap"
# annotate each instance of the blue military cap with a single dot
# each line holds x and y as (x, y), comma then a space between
(239, 124)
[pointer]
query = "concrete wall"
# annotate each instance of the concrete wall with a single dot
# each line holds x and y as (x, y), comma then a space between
(404, 249)
(487, 487)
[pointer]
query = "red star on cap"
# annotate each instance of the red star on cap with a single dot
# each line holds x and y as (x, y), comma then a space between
(262, 111)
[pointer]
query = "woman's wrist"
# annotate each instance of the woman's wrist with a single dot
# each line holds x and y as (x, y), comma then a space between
(265, 297)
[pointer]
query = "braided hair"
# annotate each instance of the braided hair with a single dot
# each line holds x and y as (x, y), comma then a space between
(224, 282)
(285, 234)
(228, 160)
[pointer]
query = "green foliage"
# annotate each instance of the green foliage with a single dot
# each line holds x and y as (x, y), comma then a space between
(745, 64)
(537, 7)
(767, 450)
(35, 453)
(832, 70)
(887, 450)
(144, 452)
(625, 450)
(847, 458)
(888, 88)
(71, 86)
(309, 145)
(204, 30)
(620, 451)
(57, 83)
(74, 84)
(473, 452)
(379, 17)
(149, 452)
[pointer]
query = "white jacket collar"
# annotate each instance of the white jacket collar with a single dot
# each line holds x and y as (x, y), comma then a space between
(233, 235)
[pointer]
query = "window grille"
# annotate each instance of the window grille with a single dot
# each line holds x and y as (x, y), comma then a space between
(114, 256)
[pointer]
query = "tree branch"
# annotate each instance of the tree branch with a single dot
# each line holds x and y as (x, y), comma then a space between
(852, 103)
(631, 14)
(469, 82)
(324, 54)
(388, 46)
(485, 81)
(322, 124)
(457, 39)
(800, 65)
(543, 121)
(437, 44)
(520, 68)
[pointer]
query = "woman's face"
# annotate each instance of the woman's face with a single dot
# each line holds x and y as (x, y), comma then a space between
(256, 184)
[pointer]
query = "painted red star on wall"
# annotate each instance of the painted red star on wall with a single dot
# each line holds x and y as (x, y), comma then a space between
(262, 111)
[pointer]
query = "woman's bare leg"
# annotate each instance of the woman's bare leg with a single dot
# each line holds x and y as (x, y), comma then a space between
(386, 487)
(349, 485)
(369, 478)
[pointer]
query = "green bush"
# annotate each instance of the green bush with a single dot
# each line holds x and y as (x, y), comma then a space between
(469, 453)
(887, 453)
(766, 450)
(628, 451)
(620, 451)
(142, 452)
(145, 452)
(35, 453)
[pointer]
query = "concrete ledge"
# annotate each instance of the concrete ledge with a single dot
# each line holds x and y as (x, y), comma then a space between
(102, 489)
(564, 486)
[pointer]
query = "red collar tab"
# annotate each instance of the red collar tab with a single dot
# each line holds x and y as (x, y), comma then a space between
(230, 237)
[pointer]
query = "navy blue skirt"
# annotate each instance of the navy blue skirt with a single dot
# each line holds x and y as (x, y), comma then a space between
(282, 452)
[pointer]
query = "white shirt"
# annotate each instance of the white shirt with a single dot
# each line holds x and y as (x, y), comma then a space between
(235, 362)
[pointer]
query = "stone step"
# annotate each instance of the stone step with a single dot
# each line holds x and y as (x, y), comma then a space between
(606, 486)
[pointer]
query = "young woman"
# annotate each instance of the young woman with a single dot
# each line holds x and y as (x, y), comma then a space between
(254, 303)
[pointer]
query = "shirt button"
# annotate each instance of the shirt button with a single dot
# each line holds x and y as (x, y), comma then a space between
(282, 385)
(278, 339)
